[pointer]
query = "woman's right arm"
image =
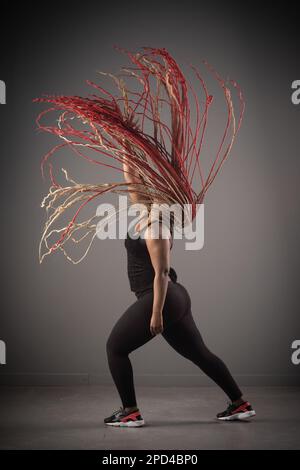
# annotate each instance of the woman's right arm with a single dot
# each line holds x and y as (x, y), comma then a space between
(131, 175)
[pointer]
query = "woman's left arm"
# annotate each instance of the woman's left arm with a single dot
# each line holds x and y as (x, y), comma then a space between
(159, 251)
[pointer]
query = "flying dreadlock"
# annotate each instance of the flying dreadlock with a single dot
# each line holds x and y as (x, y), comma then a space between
(114, 126)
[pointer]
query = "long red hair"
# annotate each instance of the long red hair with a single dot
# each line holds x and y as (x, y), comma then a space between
(167, 158)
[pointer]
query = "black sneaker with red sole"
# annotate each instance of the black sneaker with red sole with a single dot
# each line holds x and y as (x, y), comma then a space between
(237, 412)
(128, 419)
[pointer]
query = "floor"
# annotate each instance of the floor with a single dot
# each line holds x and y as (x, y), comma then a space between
(71, 417)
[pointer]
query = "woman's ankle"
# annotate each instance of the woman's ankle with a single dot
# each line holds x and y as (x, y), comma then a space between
(131, 408)
(239, 401)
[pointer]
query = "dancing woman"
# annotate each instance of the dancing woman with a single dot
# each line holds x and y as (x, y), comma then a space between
(154, 171)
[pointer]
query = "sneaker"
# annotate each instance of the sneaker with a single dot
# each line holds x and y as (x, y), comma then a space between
(122, 418)
(243, 411)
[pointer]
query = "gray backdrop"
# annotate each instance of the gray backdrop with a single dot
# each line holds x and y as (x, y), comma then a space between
(56, 317)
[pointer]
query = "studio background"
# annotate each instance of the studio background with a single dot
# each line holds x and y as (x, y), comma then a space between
(56, 317)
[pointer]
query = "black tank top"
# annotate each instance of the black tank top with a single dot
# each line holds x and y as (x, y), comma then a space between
(139, 266)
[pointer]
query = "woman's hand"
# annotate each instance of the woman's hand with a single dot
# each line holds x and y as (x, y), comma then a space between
(156, 324)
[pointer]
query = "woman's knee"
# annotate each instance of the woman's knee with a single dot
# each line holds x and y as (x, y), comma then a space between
(114, 346)
(110, 345)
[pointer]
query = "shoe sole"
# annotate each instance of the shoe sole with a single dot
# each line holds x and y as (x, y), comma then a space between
(239, 416)
(128, 424)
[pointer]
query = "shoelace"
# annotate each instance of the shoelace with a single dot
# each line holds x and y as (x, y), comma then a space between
(230, 406)
(119, 410)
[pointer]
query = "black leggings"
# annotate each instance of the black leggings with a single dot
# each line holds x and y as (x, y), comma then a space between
(132, 330)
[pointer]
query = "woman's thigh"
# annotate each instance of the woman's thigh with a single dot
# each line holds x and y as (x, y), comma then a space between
(132, 329)
(177, 304)
(185, 337)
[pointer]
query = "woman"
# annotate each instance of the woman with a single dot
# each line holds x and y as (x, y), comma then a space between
(158, 166)
(163, 306)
